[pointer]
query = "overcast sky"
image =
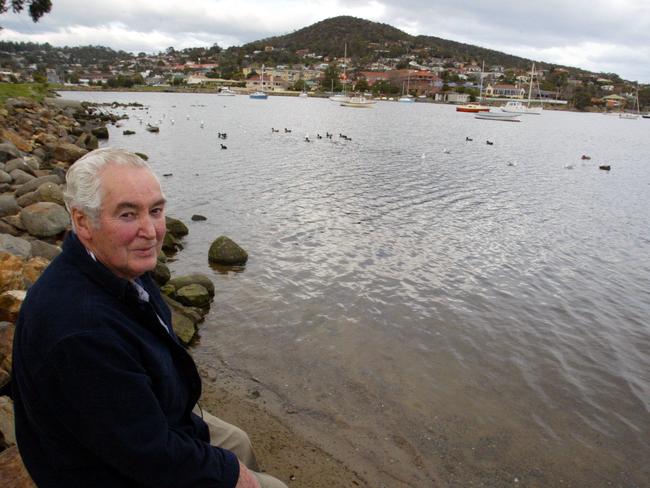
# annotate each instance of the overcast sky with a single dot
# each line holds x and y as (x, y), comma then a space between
(597, 35)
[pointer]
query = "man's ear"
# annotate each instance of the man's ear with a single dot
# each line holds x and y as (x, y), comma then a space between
(83, 224)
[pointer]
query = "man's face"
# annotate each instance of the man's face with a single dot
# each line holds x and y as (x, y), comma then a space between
(131, 222)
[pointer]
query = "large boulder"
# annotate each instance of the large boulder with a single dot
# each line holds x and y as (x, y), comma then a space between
(10, 302)
(192, 279)
(45, 219)
(35, 183)
(8, 205)
(227, 252)
(176, 227)
(15, 245)
(193, 296)
(68, 153)
(5, 177)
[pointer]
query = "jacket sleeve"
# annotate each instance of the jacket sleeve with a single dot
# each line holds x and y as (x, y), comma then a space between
(103, 396)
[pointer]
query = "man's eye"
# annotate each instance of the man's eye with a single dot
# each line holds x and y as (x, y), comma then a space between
(127, 215)
(157, 211)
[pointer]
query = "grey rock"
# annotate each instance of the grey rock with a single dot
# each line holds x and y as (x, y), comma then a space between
(227, 252)
(5, 177)
(36, 182)
(176, 227)
(193, 296)
(8, 151)
(194, 278)
(8, 205)
(44, 250)
(49, 192)
(20, 177)
(15, 245)
(19, 163)
(198, 218)
(45, 219)
(161, 273)
(27, 199)
(100, 132)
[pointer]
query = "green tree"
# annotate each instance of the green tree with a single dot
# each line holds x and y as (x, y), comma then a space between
(37, 8)
(39, 77)
(362, 85)
(299, 85)
(331, 78)
(581, 99)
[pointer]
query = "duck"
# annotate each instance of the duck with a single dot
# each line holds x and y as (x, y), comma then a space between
(224, 146)
(585, 157)
(605, 167)
(489, 143)
(468, 139)
(286, 131)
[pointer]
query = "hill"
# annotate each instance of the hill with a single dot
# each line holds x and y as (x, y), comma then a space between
(366, 40)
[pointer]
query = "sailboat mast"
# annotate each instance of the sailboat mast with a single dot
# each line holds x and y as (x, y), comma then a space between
(345, 68)
(530, 86)
(480, 93)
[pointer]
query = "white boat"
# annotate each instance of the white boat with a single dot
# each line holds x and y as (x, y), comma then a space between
(502, 116)
(339, 98)
(407, 99)
(303, 94)
(260, 94)
(359, 102)
(226, 92)
(518, 107)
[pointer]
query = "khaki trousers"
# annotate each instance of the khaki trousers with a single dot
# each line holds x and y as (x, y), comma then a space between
(231, 437)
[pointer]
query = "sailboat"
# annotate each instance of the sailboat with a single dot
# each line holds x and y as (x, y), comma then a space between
(407, 97)
(260, 94)
(475, 107)
(517, 106)
(632, 115)
(342, 97)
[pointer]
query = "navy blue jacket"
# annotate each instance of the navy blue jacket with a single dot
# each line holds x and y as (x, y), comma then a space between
(103, 394)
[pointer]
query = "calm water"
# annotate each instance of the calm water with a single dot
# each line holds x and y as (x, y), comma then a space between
(437, 312)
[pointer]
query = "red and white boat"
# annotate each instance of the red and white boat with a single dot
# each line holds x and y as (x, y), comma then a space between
(472, 108)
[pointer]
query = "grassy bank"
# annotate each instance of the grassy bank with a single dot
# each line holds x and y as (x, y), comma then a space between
(36, 91)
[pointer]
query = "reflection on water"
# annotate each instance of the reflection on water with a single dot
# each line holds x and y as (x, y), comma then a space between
(441, 312)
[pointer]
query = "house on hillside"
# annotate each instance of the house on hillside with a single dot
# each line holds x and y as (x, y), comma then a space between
(504, 90)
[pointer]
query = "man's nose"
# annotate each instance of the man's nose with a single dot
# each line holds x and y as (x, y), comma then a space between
(147, 227)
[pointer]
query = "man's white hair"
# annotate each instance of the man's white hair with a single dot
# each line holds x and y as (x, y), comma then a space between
(83, 189)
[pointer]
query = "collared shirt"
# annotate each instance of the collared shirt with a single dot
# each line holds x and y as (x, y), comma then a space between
(142, 293)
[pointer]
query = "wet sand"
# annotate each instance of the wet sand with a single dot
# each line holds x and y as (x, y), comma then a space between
(280, 451)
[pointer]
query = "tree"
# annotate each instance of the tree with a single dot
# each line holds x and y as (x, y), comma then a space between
(331, 78)
(37, 8)
(362, 85)
(581, 99)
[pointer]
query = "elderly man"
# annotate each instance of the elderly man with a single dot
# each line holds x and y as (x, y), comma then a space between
(103, 391)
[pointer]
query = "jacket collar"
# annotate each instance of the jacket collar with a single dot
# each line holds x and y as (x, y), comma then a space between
(75, 251)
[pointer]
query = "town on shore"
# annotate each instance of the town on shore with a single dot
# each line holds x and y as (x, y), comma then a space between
(379, 60)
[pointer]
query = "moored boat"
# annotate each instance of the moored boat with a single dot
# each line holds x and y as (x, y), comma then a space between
(517, 107)
(359, 102)
(226, 92)
(472, 108)
(260, 95)
(505, 117)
